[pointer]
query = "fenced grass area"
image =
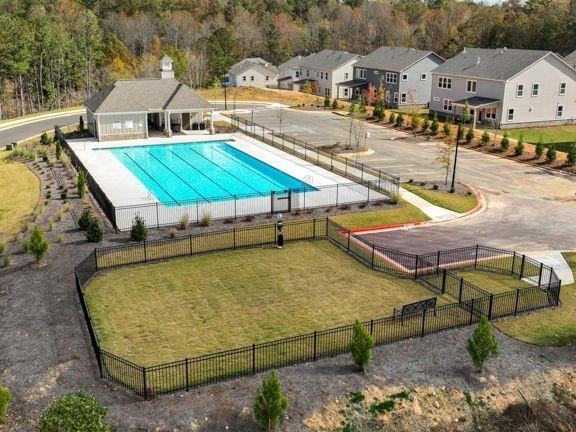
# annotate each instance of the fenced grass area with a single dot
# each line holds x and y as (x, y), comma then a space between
(494, 283)
(435, 272)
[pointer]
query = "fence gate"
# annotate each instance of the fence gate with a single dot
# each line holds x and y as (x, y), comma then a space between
(281, 201)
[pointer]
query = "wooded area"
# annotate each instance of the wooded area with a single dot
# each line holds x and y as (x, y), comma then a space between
(56, 53)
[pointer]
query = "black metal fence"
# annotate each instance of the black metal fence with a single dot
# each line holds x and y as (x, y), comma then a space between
(434, 271)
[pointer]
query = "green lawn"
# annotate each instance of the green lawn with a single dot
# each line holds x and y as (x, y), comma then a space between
(19, 194)
(493, 282)
(555, 327)
(406, 214)
(31, 116)
(187, 307)
(450, 201)
(561, 136)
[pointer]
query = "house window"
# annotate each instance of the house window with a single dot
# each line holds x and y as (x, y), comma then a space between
(423, 77)
(326, 75)
(346, 92)
(535, 89)
(129, 124)
(403, 98)
(471, 86)
(267, 78)
(404, 77)
(244, 78)
(395, 97)
(447, 105)
(357, 91)
(391, 77)
(490, 113)
(346, 75)
(297, 74)
(375, 71)
(520, 90)
(387, 97)
(251, 77)
(307, 72)
(360, 73)
(326, 91)
(511, 114)
(562, 89)
(559, 111)
(444, 82)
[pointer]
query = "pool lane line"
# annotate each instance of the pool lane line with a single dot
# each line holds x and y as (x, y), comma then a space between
(181, 179)
(282, 187)
(152, 178)
(226, 171)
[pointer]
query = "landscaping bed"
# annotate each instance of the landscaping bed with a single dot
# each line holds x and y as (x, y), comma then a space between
(461, 200)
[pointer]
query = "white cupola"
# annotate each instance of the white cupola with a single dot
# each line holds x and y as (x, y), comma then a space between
(166, 70)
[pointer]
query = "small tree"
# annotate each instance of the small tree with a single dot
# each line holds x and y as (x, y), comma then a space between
(335, 104)
(425, 124)
(44, 138)
(540, 148)
(326, 102)
(138, 232)
(519, 150)
(460, 133)
(551, 155)
(361, 346)
(469, 135)
(444, 158)
(466, 113)
(485, 138)
(435, 127)
(94, 232)
(81, 124)
(505, 142)
(269, 403)
(392, 118)
(399, 120)
(58, 149)
(571, 156)
(85, 219)
(482, 344)
(81, 183)
(75, 412)
(38, 244)
(4, 402)
(448, 127)
(415, 121)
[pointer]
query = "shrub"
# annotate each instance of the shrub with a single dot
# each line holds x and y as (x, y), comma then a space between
(59, 238)
(435, 126)
(269, 403)
(327, 102)
(85, 219)
(425, 125)
(81, 124)
(448, 127)
(94, 232)
(184, 221)
(138, 232)
(571, 157)
(44, 138)
(38, 244)
(415, 121)
(81, 183)
(6, 261)
(75, 412)
(540, 148)
(519, 150)
(206, 220)
(4, 402)
(361, 346)
(399, 120)
(485, 138)
(460, 133)
(469, 135)
(2, 247)
(58, 150)
(505, 142)
(435, 187)
(392, 118)
(172, 233)
(551, 155)
(335, 104)
(59, 215)
(482, 344)
(25, 225)
(50, 224)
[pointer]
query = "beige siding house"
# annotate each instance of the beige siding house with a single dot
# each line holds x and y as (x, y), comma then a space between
(136, 108)
(253, 72)
(506, 88)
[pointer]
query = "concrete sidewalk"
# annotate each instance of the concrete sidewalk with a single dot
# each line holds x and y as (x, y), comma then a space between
(434, 212)
(554, 259)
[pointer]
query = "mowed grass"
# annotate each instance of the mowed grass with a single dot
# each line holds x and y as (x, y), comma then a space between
(19, 194)
(492, 282)
(187, 307)
(556, 327)
(450, 201)
(562, 135)
(255, 94)
(369, 219)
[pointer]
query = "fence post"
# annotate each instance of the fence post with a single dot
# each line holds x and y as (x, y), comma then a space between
(96, 260)
(348, 240)
(253, 359)
(190, 242)
(331, 162)
(416, 268)
(443, 281)
(460, 294)
(346, 167)
(371, 327)
(516, 303)
(146, 253)
(379, 179)
(490, 307)
(540, 275)
(558, 292)
(522, 267)
(314, 357)
(314, 228)
(373, 247)
(187, 380)
(471, 311)
(423, 322)
(157, 216)
(513, 263)
(144, 382)
(438, 259)
(234, 235)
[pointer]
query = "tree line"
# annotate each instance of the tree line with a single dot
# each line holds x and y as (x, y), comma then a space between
(57, 53)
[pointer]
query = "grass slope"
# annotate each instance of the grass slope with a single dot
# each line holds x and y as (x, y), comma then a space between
(19, 193)
(406, 214)
(255, 94)
(555, 327)
(561, 135)
(454, 202)
(187, 307)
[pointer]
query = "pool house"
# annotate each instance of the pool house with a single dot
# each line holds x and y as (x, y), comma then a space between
(143, 108)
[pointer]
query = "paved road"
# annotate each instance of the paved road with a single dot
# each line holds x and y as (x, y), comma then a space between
(528, 208)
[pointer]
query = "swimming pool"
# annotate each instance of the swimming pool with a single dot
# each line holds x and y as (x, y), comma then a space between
(203, 171)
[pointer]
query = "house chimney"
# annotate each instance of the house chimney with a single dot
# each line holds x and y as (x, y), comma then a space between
(464, 50)
(166, 71)
(477, 60)
(505, 49)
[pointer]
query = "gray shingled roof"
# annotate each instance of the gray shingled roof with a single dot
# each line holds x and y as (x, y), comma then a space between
(146, 94)
(294, 62)
(393, 59)
(242, 65)
(327, 59)
(263, 67)
(571, 58)
(496, 64)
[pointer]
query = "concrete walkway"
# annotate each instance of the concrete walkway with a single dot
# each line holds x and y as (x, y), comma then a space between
(554, 259)
(434, 212)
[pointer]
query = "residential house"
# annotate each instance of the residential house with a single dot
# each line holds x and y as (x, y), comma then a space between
(135, 108)
(571, 59)
(404, 73)
(253, 72)
(288, 72)
(324, 70)
(506, 88)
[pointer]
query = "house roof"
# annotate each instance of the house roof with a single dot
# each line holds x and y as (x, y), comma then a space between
(138, 95)
(245, 64)
(328, 59)
(496, 64)
(294, 62)
(394, 59)
(264, 68)
(571, 58)
(353, 83)
(477, 102)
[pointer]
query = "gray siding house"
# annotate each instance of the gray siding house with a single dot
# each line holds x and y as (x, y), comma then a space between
(506, 88)
(253, 72)
(134, 108)
(571, 59)
(288, 72)
(325, 70)
(404, 73)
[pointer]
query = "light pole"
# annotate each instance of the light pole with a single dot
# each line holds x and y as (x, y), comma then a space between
(455, 157)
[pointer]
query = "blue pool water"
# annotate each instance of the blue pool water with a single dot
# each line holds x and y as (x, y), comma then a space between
(203, 171)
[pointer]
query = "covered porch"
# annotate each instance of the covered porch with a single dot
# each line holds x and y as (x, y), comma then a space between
(350, 89)
(482, 110)
(181, 122)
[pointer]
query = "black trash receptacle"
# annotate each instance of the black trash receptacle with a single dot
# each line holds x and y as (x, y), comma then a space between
(280, 240)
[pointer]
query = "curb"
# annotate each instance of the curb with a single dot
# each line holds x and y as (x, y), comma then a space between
(23, 122)
(480, 206)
